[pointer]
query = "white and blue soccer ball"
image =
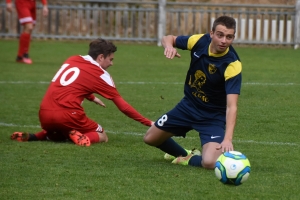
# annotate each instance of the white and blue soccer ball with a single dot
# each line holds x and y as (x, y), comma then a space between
(233, 168)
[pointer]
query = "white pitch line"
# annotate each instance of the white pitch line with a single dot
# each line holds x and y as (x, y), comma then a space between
(179, 83)
(142, 134)
(24, 82)
(153, 83)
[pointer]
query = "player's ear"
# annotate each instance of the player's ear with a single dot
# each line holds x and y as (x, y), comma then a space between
(100, 57)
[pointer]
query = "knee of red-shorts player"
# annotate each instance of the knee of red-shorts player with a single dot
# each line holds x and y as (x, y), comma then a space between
(103, 137)
(56, 136)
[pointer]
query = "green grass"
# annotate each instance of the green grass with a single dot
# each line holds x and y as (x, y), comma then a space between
(267, 130)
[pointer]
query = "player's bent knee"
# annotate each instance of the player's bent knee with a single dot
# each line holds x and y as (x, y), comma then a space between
(147, 139)
(155, 136)
(208, 164)
(150, 140)
(102, 137)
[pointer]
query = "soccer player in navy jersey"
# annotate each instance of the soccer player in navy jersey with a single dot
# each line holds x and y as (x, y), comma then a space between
(61, 114)
(211, 90)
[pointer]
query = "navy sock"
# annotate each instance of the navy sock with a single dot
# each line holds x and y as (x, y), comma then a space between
(171, 147)
(32, 137)
(195, 161)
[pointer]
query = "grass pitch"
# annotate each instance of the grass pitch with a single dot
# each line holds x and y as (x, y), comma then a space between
(267, 130)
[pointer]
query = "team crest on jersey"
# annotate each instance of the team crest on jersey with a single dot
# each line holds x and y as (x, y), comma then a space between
(198, 82)
(212, 68)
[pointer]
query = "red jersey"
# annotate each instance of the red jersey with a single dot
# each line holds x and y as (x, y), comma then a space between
(44, 2)
(78, 78)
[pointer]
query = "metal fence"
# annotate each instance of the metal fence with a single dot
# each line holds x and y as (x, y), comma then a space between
(149, 21)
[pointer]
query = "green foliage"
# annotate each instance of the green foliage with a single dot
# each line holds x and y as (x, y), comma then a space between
(267, 130)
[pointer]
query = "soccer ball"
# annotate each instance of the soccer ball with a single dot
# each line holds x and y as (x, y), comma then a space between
(233, 168)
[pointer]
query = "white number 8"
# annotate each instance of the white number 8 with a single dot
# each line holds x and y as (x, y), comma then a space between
(162, 120)
(63, 80)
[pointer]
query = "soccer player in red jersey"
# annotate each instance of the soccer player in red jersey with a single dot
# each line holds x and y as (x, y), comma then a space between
(26, 10)
(61, 115)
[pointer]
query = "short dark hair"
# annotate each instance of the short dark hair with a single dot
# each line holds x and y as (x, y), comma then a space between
(101, 46)
(226, 21)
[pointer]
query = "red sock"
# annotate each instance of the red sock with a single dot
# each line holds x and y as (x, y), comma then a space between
(41, 135)
(93, 136)
(24, 42)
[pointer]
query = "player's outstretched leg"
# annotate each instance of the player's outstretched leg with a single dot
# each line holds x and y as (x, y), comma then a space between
(20, 136)
(79, 138)
(24, 136)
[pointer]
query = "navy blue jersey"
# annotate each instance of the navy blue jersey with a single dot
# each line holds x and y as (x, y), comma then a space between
(210, 76)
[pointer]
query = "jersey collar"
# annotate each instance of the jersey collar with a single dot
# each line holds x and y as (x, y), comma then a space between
(219, 54)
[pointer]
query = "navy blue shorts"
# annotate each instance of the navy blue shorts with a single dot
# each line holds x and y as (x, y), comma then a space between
(181, 119)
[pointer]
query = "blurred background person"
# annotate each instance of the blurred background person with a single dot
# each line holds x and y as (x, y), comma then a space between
(26, 10)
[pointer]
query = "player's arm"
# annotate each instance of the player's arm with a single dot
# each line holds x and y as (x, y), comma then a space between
(95, 99)
(233, 81)
(106, 88)
(231, 113)
(168, 42)
(9, 6)
(129, 111)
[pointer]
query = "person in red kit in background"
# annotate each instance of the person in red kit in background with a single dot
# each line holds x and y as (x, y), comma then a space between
(61, 115)
(26, 10)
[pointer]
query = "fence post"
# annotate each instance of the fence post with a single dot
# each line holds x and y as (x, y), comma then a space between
(161, 20)
(297, 25)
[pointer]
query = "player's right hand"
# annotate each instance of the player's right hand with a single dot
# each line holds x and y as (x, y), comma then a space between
(226, 145)
(171, 52)
(99, 102)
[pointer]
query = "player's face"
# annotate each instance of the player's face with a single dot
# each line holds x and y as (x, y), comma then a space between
(105, 62)
(222, 38)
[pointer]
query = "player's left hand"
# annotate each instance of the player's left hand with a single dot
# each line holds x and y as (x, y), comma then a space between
(99, 102)
(226, 145)
(9, 7)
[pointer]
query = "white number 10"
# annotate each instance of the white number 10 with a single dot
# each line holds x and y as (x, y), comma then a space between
(63, 80)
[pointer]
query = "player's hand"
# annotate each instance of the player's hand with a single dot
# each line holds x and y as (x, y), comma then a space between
(152, 123)
(99, 102)
(45, 10)
(171, 52)
(9, 7)
(226, 145)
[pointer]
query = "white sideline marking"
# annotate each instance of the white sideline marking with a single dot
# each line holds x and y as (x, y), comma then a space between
(150, 83)
(142, 134)
(24, 82)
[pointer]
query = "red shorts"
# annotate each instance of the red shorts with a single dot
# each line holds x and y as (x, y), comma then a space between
(60, 123)
(26, 10)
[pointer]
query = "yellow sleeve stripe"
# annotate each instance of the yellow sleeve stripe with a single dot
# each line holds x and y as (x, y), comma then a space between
(193, 40)
(233, 69)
